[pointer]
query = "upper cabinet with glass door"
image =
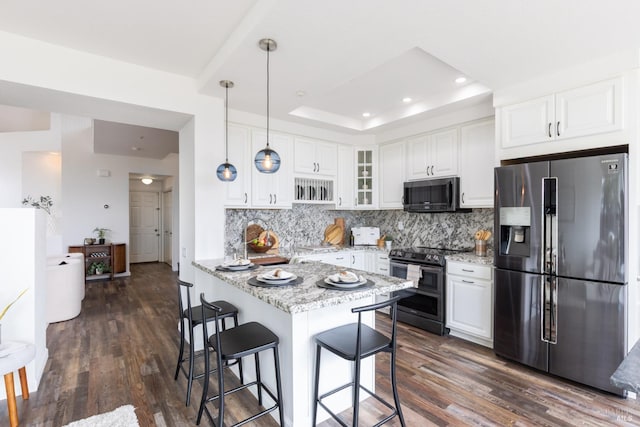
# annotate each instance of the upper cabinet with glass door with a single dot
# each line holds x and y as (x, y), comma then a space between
(366, 178)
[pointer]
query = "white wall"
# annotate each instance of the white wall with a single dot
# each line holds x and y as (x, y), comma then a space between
(12, 145)
(23, 266)
(41, 171)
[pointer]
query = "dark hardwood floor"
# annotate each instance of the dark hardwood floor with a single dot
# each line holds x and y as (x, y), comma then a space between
(122, 350)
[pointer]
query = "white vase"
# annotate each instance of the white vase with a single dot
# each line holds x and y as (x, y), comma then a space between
(387, 244)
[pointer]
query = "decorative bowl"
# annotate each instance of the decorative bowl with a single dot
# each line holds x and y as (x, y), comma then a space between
(261, 248)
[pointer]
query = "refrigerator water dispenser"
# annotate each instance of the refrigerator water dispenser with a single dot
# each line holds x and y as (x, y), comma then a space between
(515, 229)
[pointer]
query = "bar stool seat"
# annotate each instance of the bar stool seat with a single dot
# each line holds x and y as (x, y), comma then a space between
(14, 356)
(194, 316)
(232, 345)
(354, 342)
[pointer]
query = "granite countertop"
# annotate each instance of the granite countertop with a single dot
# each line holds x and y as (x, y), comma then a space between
(305, 296)
(627, 376)
(472, 258)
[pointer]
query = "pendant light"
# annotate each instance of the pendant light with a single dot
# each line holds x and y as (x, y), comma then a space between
(267, 160)
(226, 171)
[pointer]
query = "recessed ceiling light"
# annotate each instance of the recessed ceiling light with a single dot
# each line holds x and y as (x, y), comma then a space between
(134, 148)
(461, 80)
(407, 100)
(366, 114)
(301, 93)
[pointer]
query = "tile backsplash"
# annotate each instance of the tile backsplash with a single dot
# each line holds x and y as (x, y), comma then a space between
(304, 225)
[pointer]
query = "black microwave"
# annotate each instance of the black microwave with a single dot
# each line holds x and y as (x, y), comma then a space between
(433, 195)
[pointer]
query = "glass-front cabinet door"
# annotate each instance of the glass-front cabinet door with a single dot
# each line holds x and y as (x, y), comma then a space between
(366, 178)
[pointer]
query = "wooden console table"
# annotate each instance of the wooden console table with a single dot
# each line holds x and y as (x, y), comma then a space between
(111, 255)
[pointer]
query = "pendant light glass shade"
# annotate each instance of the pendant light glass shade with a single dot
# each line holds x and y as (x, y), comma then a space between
(226, 171)
(267, 160)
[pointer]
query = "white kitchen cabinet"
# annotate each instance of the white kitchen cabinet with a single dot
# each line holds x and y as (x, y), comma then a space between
(470, 302)
(382, 263)
(273, 190)
(238, 192)
(392, 175)
(433, 155)
(366, 178)
(358, 260)
(340, 259)
(315, 158)
(345, 188)
(477, 147)
(587, 110)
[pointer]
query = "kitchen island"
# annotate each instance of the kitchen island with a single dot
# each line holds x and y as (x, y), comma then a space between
(296, 313)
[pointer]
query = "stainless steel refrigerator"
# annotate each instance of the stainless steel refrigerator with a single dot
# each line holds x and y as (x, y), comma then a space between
(560, 284)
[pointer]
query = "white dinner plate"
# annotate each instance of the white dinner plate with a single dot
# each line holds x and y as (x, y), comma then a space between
(360, 282)
(271, 281)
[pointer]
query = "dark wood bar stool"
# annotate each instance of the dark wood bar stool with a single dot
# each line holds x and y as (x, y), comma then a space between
(355, 342)
(232, 345)
(194, 317)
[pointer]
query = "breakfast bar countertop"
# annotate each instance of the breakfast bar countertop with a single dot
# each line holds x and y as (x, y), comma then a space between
(305, 296)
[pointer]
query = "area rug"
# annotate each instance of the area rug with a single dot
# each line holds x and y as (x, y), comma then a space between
(124, 416)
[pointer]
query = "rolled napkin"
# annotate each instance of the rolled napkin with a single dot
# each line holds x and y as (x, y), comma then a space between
(345, 277)
(238, 262)
(277, 274)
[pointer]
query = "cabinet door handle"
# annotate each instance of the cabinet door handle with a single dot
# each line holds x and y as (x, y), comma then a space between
(549, 130)
(270, 198)
(427, 170)
(245, 198)
(318, 168)
(432, 170)
(339, 201)
(462, 197)
(468, 281)
(558, 128)
(275, 199)
(467, 271)
(314, 166)
(353, 259)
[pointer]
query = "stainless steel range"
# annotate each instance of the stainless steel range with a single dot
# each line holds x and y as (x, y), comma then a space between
(423, 306)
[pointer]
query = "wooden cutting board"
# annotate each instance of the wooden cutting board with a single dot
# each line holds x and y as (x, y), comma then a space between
(333, 234)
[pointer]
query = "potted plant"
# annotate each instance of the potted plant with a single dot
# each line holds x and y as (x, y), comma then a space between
(98, 268)
(101, 233)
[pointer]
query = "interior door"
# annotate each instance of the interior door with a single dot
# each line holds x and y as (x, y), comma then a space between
(167, 225)
(144, 226)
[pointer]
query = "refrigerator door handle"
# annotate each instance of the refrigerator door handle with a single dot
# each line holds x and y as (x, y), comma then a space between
(544, 312)
(550, 224)
(553, 321)
(549, 308)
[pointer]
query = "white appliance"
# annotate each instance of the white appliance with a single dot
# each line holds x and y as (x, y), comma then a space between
(365, 235)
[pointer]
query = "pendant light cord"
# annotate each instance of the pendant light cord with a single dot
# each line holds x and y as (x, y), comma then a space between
(226, 122)
(268, 49)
